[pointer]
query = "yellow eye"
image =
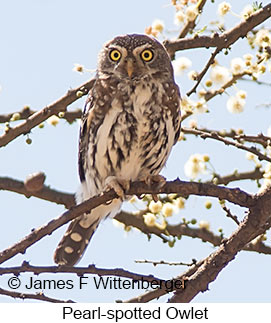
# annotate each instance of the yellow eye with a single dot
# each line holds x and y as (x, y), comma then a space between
(115, 55)
(147, 55)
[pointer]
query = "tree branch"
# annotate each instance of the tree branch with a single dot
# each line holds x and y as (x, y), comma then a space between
(257, 222)
(234, 195)
(198, 277)
(80, 271)
(54, 108)
(136, 220)
(148, 296)
(204, 71)
(225, 39)
(26, 112)
(216, 136)
(190, 25)
(46, 193)
(39, 296)
(255, 174)
(259, 139)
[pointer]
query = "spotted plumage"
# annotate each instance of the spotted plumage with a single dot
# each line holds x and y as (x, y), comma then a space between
(130, 122)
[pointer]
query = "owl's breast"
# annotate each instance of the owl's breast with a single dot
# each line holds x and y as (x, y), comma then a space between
(136, 135)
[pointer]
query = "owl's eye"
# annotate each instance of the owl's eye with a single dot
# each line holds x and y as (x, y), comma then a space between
(115, 55)
(147, 55)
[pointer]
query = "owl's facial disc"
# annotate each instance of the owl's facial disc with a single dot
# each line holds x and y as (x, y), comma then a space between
(131, 63)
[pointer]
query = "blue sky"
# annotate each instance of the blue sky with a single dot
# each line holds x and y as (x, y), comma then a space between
(40, 42)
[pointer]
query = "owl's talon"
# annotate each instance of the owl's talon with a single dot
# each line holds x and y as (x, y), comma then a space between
(118, 185)
(155, 179)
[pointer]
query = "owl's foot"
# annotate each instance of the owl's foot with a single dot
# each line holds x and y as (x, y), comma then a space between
(154, 179)
(118, 185)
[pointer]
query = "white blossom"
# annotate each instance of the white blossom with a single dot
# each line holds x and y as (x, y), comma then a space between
(179, 17)
(179, 203)
(223, 8)
(235, 104)
(248, 57)
(186, 104)
(78, 68)
(194, 166)
(237, 65)
(155, 207)
(204, 225)
(181, 64)
(220, 74)
(250, 156)
(263, 38)
(167, 209)
(267, 178)
(241, 94)
(53, 120)
(158, 25)
(201, 106)
(247, 12)
(149, 219)
(193, 123)
(192, 75)
(191, 12)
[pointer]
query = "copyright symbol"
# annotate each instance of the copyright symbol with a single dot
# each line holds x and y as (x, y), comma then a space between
(14, 283)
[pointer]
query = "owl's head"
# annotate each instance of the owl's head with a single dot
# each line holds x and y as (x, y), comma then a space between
(133, 57)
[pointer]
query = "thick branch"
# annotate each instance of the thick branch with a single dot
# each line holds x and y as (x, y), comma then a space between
(46, 193)
(225, 39)
(199, 276)
(136, 220)
(256, 223)
(234, 195)
(148, 296)
(54, 108)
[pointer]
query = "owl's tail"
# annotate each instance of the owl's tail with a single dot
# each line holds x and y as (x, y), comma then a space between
(80, 231)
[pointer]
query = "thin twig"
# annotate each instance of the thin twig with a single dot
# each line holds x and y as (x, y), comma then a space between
(258, 139)
(39, 296)
(204, 71)
(216, 136)
(211, 94)
(80, 271)
(163, 262)
(255, 174)
(229, 214)
(190, 25)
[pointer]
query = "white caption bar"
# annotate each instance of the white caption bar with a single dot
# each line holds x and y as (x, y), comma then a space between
(37, 312)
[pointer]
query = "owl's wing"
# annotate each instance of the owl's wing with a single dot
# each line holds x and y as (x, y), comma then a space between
(84, 134)
(172, 100)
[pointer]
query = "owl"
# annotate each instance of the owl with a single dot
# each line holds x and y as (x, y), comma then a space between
(129, 124)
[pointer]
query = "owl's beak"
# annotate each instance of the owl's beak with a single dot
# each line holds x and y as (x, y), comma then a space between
(130, 68)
